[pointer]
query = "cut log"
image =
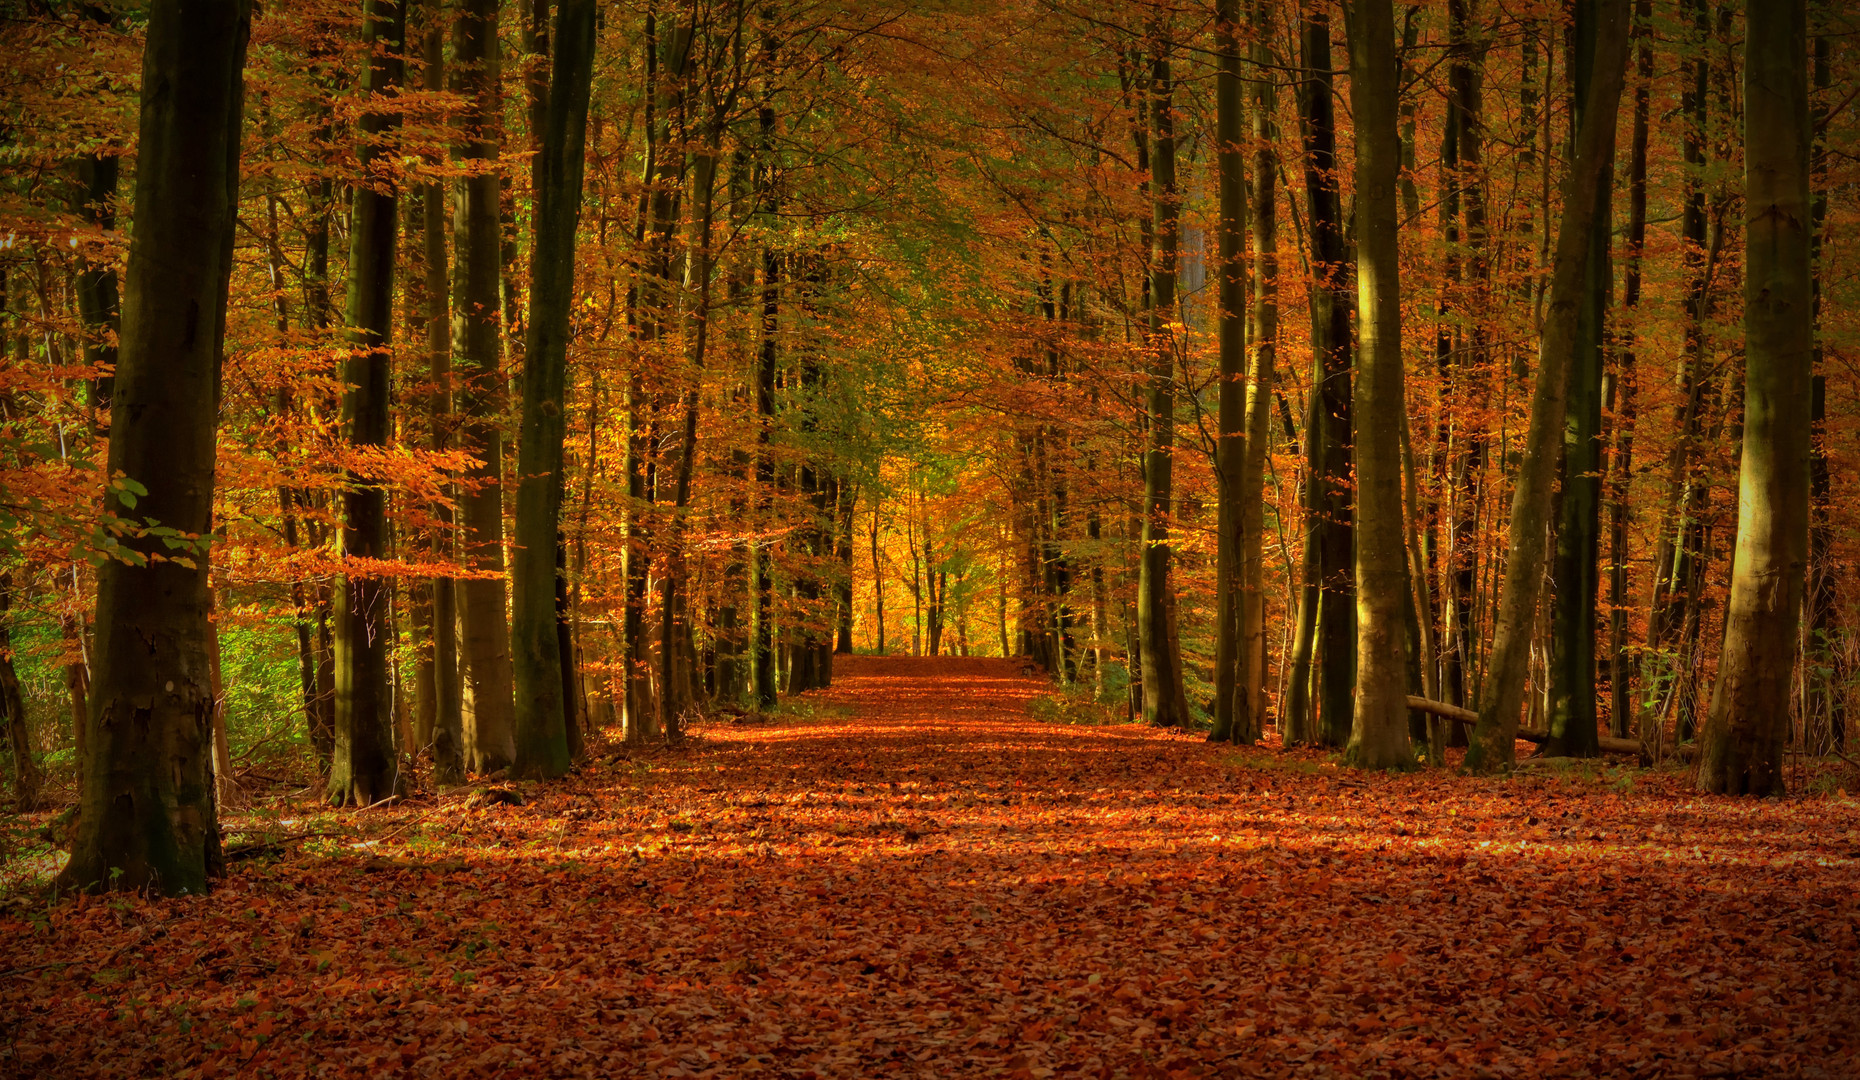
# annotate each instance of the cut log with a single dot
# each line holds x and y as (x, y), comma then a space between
(1469, 717)
(1441, 708)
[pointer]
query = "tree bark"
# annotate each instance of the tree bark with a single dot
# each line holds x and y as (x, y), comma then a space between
(363, 768)
(1327, 604)
(1250, 706)
(878, 585)
(97, 298)
(1748, 725)
(147, 818)
(484, 637)
(1379, 730)
(1503, 694)
(1165, 700)
(1576, 570)
(541, 697)
(1825, 696)
(1623, 390)
(1469, 378)
(1676, 540)
(763, 570)
(28, 777)
(448, 731)
(1230, 451)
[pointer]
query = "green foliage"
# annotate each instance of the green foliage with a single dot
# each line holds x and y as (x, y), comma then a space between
(1073, 706)
(1116, 683)
(264, 698)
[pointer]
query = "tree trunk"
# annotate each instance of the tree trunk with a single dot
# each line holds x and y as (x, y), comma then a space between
(1576, 570)
(1825, 696)
(1469, 382)
(28, 778)
(541, 703)
(447, 732)
(96, 284)
(843, 555)
(1328, 601)
(568, 669)
(363, 769)
(147, 818)
(917, 578)
(1747, 728)
(484, 637)
(769, 198)
(1503, 694)
(1165, 700)
(1622, 395)
(1379, 729)
(878, 585)
(1230, 452)
(674, 617)
(1250, 706)
(635, 677)
(659, 295)
(1676, 542)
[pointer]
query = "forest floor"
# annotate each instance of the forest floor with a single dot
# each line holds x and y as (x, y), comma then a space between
(909, 875)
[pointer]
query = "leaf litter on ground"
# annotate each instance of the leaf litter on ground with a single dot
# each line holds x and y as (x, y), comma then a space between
(915, 877)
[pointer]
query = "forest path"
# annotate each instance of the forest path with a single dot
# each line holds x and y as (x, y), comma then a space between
(907, 875)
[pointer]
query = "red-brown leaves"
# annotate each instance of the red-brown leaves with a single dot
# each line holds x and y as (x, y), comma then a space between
(919, 880)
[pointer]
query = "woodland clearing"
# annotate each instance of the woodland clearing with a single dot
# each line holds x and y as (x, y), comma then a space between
(909, 875)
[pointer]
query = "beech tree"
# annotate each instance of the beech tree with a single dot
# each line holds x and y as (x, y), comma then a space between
(484, 634)
(1748, 724)
(1165, 701)
(365, 767)
(1231, 456)
(1492, 743)
(1576, 564)
(1379, 730)
(1323, 655)
(142, 827)
(542, 711)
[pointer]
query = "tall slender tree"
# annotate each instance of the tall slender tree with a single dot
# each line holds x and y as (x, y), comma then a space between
(484, 636)
(1622, 396)
(541, 721)
(1165, 700)
(1230, 455)
(1748, 724)
(1678, 535)
(1576, 569)
(1250, 706)
(146, 813)
(447, 733)
(768, 199)
(1379, 731)
(1324, 652)
(364, 768)
(1492, 744)
(1469, 378)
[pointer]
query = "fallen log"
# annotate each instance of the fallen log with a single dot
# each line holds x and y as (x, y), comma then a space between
(1468, 717)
